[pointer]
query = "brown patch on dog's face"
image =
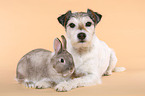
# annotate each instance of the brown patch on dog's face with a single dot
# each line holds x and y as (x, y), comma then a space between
(82, 27)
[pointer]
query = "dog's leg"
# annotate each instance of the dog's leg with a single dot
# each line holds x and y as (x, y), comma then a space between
(112, 64)
(111, 68)
(88, 80)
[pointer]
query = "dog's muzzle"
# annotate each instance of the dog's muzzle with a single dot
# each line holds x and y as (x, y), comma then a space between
(81, 36)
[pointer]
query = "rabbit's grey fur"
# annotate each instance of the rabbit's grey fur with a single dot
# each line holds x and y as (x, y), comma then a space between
(42, 68)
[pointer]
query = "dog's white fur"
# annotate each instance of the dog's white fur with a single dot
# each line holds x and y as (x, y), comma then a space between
(92, 58)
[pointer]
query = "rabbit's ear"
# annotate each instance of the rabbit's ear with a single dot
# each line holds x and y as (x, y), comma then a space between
(57, 46)
(63, 42)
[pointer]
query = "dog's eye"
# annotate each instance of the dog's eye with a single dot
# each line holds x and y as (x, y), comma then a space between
(88, 24)
(72, 25)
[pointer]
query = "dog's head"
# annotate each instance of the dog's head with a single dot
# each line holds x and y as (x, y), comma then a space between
(80, 26)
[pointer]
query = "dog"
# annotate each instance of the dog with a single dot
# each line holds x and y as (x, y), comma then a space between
(92, 57)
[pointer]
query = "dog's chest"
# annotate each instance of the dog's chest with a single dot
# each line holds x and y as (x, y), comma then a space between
(96, 60)
(81, 60)
(84, 62)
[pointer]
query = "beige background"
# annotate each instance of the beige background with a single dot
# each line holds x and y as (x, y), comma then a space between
(30, 24)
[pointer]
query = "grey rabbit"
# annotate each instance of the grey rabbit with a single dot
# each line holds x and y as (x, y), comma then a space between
(42, 68)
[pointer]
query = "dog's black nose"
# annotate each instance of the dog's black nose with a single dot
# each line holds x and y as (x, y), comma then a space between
(81, 36)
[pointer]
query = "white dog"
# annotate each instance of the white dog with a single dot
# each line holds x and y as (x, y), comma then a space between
(92, 57)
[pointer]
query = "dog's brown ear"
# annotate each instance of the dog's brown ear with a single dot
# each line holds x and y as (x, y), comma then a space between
(64, 18)
(96, 17)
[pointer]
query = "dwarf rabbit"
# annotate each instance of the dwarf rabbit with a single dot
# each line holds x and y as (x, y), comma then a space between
(42, 68)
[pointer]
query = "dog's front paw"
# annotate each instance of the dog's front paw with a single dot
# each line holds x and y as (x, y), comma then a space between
(63, 87)
(42, 85)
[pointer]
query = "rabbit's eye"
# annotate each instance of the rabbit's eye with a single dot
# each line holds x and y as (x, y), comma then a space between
(61, 60)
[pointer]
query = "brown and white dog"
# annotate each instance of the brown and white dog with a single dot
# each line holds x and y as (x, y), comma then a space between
(92, 57)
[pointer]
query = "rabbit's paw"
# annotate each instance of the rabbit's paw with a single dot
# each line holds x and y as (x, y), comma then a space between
(29, 84)
(63, 87)
(42, 85)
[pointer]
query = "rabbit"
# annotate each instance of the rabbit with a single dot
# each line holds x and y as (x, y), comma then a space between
(42, 68)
